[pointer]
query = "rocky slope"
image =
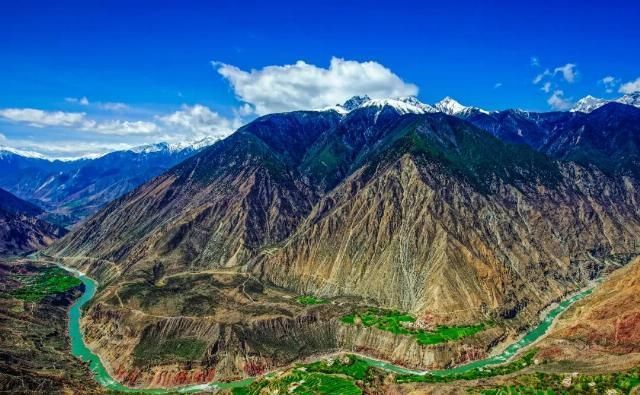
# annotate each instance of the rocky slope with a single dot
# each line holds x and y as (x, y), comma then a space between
(34, 349)
(603, 330)
(423, 213)
(21, 228)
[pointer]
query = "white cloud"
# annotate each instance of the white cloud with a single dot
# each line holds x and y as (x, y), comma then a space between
(541, 76)
(306, 86)
(497, 85)
(609, 82)
(546, 87)
(82, 100)
(630, 87)
(117, 127)
(109, 106)
(77, 121)
(199, 121)
(557, 101)
(568, 72)
(113, 106)
(40, 118)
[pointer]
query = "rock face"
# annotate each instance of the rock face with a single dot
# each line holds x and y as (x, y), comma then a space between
(21, 229)
(34, 349)
(605, 326)
(423, 213)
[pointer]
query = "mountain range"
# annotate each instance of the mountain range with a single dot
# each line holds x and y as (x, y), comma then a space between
(70, 190)
(456, 219)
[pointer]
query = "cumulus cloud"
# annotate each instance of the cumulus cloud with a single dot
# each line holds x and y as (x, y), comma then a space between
(630, 87)
(306, 86)
(568, 72)
(557, 101)
(76, 120)
(199, 121)
(546, 87)
(40, 118)
(115, 127)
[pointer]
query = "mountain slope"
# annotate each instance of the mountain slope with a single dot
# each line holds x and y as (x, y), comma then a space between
(422, 213)
(72, 190)
(264, 202)
(608, 138)
(21, 231)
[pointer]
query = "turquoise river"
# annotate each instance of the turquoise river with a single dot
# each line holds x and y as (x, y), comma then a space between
(80, 349)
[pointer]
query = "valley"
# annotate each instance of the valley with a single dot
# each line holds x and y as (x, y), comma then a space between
(385, 230)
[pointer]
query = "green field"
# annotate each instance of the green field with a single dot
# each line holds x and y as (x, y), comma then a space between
(346, 374)
(394, 322)
(48, 281)
(543, 383)
(473, 374)
(310, 300)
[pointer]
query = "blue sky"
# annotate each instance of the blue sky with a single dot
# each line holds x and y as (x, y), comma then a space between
(82, 77)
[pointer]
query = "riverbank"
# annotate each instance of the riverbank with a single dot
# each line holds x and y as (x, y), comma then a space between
(80, 350)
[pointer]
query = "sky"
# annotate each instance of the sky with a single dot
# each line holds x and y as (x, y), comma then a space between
(87, 77)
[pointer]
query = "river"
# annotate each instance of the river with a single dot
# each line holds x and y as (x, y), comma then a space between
(80, 349)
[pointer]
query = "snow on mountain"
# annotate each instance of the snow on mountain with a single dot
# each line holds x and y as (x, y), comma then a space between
(6, 151)
(173, 147)
(590, 103)
(403, 105)
(450, 106)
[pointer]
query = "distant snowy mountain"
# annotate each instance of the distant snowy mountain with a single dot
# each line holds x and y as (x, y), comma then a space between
(450, 106)
(6, 151)
(174, 147)
(406, 105)
(402, 105)
(589, 103)
(70, 190)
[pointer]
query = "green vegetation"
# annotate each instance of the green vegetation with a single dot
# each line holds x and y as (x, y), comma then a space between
(543, 383)
(310, 300)
(396, 322)
(322, 377)
(46, 282)
(346, 375)
(150, 349)
(477, 157)
(473, 374)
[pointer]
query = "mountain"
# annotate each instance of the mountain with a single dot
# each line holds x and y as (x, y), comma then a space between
(73, 190)
(21, 229)
(608, 137)
(374, 205)
(589, 103)
(450, 106)
(403, 105)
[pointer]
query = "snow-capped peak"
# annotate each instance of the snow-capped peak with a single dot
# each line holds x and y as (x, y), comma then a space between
(590, 103)
(6, 150)
(632, 99)
(173, 147)
(403, 105)
(450, 106)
